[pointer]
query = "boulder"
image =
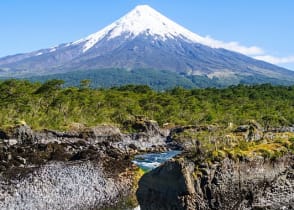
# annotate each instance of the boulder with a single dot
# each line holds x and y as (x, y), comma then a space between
(143, 125)
(226, 185)
(253, 131)
(164, 187)
(20, 134)
(83, 168)
(23, 134)
(102, 133)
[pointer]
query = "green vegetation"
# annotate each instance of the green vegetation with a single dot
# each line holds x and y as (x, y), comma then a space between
(207, 146)
(215, 114)
(156, 79)
(50, 105)
(106, 78)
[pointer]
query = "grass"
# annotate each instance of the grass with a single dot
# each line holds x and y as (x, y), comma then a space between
(270, 150)
(208, 153)
(222, 143)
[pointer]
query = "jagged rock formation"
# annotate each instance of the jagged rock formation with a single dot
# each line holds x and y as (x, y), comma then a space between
(244, 167)
(87, 168)
(256, 184)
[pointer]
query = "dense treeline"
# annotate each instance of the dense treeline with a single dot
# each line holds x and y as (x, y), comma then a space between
(156, 79)
(49, 105)
(106, 78)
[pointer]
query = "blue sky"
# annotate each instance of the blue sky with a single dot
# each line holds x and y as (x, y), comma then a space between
(28, 25)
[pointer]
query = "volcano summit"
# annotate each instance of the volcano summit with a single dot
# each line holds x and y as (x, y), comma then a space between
(145, 39)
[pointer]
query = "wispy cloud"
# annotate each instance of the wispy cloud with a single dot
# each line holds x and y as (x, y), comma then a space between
(234, 46)
(275, 60)
(252, 51)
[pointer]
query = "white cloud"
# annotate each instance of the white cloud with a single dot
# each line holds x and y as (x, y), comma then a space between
(275, 60)
(252, 51)
(234, 46)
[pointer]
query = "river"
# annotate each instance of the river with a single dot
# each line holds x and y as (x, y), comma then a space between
(152, 160)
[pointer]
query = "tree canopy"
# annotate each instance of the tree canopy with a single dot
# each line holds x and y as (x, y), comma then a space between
(50, 105)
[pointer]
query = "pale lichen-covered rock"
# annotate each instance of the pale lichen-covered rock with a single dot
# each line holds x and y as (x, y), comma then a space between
(63, 186)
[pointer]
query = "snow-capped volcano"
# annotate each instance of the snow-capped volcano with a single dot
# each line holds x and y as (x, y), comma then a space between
(142, 20)
(144, 39)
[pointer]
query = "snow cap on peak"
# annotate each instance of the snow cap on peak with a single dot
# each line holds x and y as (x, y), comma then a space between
(144, 20)
(143, 7)
(141, 20)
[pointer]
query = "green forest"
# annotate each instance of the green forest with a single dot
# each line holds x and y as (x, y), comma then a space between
(54, 106)
(156, 79)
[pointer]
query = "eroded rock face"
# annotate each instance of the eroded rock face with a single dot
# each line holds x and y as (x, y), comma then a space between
(165, 187)
(63, 186)
(258, 184)
(66, 175)
(149, 137)
(86, 168)
(242, 185)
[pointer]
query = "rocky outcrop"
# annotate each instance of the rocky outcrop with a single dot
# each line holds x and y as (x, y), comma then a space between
(282, 129)
(253, 131)
(77, 175)
(178, 141)
(21, 134)
(165, 187)
(148, 135)
(84, 168)
(59, 185)
(255, 184)
(102, 133)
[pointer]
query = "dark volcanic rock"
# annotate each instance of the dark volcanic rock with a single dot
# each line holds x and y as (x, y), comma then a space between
(165, 187)
(257, 184)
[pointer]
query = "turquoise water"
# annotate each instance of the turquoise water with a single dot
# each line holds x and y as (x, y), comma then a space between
(147, 162)
(152, 160)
